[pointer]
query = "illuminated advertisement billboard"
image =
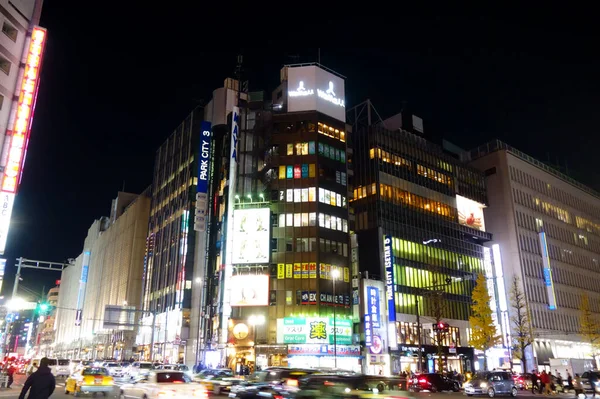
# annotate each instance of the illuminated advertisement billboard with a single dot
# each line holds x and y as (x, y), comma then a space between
(251, 235)
(548, 281)
(470, 213)
(314, 330)
(250, 290)
(19, 129)
(311, 88)
(2, 270)
(203, 177)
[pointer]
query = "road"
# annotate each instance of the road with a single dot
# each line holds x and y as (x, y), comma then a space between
(59, 393)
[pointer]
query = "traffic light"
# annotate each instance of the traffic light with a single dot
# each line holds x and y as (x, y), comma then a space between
(441, 327)
(43, 308)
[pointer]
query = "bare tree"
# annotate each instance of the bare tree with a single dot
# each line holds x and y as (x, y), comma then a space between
(522, 336)
(437, 309)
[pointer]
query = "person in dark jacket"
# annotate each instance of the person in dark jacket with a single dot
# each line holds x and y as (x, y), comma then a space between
(40, 384)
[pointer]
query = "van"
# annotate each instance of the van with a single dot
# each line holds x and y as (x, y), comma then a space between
(58, 367)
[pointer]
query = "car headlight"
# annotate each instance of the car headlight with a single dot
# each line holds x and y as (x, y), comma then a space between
(467, 385)
(483, 385)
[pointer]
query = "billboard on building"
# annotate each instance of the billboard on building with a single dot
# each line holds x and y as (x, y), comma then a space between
(311, 88)
(548, 281)
(314, 330)
(203, 176)
(119, 318)
(470, 213)
(2, 270)
(250, 290)
(251, 236)
(19, 129)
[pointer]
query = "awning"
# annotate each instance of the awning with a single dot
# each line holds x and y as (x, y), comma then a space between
(543, 352)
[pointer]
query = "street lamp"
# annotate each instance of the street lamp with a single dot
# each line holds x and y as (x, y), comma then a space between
(198, 280)
(335, 274)
(249, 197)
(262, 197)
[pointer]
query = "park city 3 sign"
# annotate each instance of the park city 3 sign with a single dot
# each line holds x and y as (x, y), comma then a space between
(327, 95)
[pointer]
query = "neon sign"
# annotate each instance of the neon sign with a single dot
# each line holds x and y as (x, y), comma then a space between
(24, 113)
(388, 259)
(329, 95)
(300, 91)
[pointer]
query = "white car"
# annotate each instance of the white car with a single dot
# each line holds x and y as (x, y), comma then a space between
(161, 384)
(139, 369)
(115, 369)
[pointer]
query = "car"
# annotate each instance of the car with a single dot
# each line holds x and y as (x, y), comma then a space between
(220, 383)
(491, 383)
(89, 380)
(137, 369)
(524, 381)
(355, 386)
(161, 384)
(433, 382)
(115, 369)
(590, 381)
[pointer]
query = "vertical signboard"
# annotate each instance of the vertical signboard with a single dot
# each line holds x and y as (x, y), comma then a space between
(19, 129)
(547, 271)
(2, 270)
(85, 265)
(203, 177)
(373, 305)
(388, 259)
(227, 273)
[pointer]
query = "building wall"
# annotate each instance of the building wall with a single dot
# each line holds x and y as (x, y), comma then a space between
(525, 200)
(64, 324)
(15, 18)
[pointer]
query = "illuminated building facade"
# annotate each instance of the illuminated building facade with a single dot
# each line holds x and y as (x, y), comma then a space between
(419, 220)
(21, 56)
(278, 239)
(547, 226)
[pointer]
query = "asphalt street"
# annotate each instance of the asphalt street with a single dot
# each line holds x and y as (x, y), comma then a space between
(59, 393)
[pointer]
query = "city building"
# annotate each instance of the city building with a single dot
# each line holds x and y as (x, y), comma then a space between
(20, 339)
(108, 272)
(22, 44)
(420, 228)
(45, 331)
(277, 266)
(546, 229)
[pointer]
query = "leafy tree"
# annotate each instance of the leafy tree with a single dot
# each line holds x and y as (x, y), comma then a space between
(589, 326)
(521, 321)
(484, 335)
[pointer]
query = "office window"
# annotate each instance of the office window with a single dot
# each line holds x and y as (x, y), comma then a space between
(304, 195)
(289, 195)
(4, 65)
(311, 147)
(289, 219)
(297, 219)
(10, 31)
(311, 194)
(290, 149)
(305, 219)
(312, 218)
(297, 192)
(282, 220)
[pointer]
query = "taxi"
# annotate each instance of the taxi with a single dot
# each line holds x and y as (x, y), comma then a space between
(89, 380)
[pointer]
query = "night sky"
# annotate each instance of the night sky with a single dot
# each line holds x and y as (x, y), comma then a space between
(117, 81)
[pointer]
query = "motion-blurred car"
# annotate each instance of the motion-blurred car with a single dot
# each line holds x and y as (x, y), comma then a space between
(433, 383)
(220, 383)
(115, 369)
(523, 381)
(139, 369)
(491, 383)
(341, 386)
(590, 381)
(89, 380)
(162, 384)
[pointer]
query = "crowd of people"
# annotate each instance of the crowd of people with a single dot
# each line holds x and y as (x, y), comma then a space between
(547, 383)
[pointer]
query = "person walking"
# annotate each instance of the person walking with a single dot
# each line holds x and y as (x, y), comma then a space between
(577, 386)
(10, 372)
(40, 384)
(569, 381)
(546, 382)
(534, 381)
(32, 368)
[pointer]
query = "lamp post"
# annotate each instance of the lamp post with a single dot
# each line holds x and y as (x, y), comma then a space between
(335, 274)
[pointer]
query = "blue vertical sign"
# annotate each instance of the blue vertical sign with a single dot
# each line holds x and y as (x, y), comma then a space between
(368, 331)
(203, 177)
(547, 272)
(373, 301)
(388, 259)
(204, 157)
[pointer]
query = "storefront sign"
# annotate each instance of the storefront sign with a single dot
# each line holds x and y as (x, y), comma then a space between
(368, 331)
(373, 304)
(324, 350)
(313, 330)
(388, 258)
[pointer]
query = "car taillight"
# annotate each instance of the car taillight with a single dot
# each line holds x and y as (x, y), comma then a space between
(291, 382)
(277, 397)
(422, 380)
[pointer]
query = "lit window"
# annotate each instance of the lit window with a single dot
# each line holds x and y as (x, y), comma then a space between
(297, 195)
(304, 170)
(289, 219)
(321, 220)
(305, 219)
(321, 194)
(312, 219)
(304, 195)
(282, 172)
(289, 195)
(338, 200)
(290, 172)
(311, 170)
(327, 197)
(297, 219)
(311, 194)
(327, 221)
(290, 149)
(282, 220)
(304, 148)
(297, 171)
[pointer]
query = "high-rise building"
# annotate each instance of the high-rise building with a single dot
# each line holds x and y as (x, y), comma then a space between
(278, 245)
(418, 217)
(45, 330)
(108, 272)
(546, 229)
(21, 54)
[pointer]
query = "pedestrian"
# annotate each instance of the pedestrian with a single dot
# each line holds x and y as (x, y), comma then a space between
(577, 386)
(569, 381)
(10, 371)
(534, 381)
(40, 384)
(546, 382)
(32, 368)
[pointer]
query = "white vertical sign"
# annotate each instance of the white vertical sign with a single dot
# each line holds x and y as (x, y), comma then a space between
(6, 206)
(235, 118)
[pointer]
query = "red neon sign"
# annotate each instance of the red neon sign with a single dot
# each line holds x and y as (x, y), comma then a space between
(19, 137)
